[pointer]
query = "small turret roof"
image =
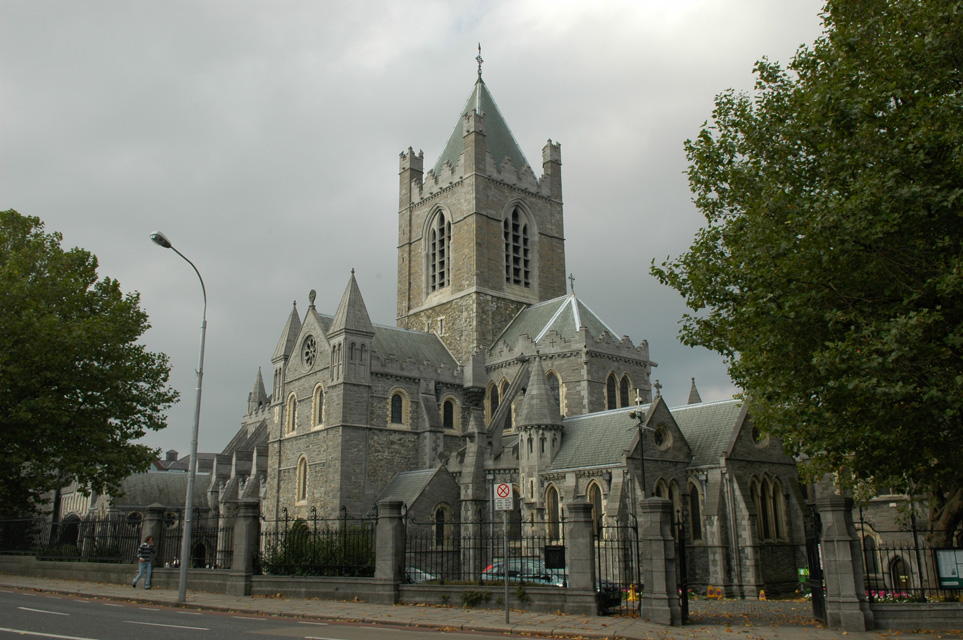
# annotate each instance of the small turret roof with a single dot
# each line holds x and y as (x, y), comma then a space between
(499, 140)
(694, 397)
(258, 393)
(289, 335)
(352, 313)
(539, 406)
(564, 315)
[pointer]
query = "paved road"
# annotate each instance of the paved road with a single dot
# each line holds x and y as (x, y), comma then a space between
(77, 618)
(722, 620)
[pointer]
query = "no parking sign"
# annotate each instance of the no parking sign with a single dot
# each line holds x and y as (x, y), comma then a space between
(503, 497)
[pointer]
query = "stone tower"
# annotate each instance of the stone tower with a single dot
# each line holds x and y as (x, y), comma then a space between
(479, 236)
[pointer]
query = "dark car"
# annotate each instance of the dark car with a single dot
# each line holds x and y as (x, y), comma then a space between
(530, 570)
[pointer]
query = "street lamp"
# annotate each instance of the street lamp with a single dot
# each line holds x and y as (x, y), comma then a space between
(161, 240)
(639, 415)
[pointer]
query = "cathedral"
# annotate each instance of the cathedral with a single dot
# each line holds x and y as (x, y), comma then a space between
(497, 372)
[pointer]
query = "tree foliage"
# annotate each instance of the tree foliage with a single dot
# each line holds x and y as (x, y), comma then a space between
(830, 274)
(76, 387)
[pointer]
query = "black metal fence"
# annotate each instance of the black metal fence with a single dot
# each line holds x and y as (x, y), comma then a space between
(814, 584)
(111, 539)
(449, 552)
(902, 566)
(618, 557)
(212, 541)
(317, 547)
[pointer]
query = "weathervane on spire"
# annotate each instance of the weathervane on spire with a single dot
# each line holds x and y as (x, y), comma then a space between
(480, 60)
(571, 282)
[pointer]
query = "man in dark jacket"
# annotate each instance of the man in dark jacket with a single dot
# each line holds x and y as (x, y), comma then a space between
(145, 561)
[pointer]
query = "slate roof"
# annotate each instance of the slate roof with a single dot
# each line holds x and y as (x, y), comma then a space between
(539, 406)
(407, 486)
(707, 428)
(289, 335)
(596, 440)
(498, 137)
(404, 344)
(566, 315)
(168, 489)
(352, 313)
(247, 439)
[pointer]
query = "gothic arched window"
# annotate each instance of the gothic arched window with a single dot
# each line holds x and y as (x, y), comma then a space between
(318, 405)
(510, 419)
(397, 406)
(301, 492)
(556, 389)
(442, 525)
(610, 397)
(695, 512)
(552, 512)
(624, 391)
(291, 422)
(492, 401)
(448, 414)
(595, 499)
(439, 248)
(517, 251)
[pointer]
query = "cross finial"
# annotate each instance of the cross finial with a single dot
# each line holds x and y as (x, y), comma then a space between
(571, 282)
(352, 270)
(638, 399)
(480, 60)
(658, 388)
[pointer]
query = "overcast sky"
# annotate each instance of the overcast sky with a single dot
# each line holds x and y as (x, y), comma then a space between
(263, 137)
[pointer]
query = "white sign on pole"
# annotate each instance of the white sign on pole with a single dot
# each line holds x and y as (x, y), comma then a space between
(503, 496)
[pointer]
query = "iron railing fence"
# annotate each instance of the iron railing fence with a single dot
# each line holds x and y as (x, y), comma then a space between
(342, 546)
(903, 566)
(618, 569)
(474, 552)
(114, 538)
(212, 541)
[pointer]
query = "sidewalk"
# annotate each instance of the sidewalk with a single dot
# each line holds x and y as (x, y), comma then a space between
(749, 619)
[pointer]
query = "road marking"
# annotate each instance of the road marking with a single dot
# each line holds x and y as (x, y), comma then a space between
(320, 638)
(23, 632)
(317, 624)
(171, 626)
(110, 604)
(249, 618)
(189, 613)
(56, 613)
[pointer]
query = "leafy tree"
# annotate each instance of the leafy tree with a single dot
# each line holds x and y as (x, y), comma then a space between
(76, 388)
(829, 274)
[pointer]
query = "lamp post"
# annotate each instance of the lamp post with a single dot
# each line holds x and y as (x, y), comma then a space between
(161, 240)
(639, 415)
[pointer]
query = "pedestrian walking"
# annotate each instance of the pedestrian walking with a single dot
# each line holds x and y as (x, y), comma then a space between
(145, 562)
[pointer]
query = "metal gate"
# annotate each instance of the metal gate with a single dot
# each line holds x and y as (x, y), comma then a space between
(814, 583)
(683, 575)
(618, 567)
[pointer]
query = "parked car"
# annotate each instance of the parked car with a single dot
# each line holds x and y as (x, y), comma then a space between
(531, 570)
(414, 575)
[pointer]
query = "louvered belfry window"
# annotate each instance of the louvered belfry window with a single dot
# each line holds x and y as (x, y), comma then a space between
(439, 247)
(517, 251)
